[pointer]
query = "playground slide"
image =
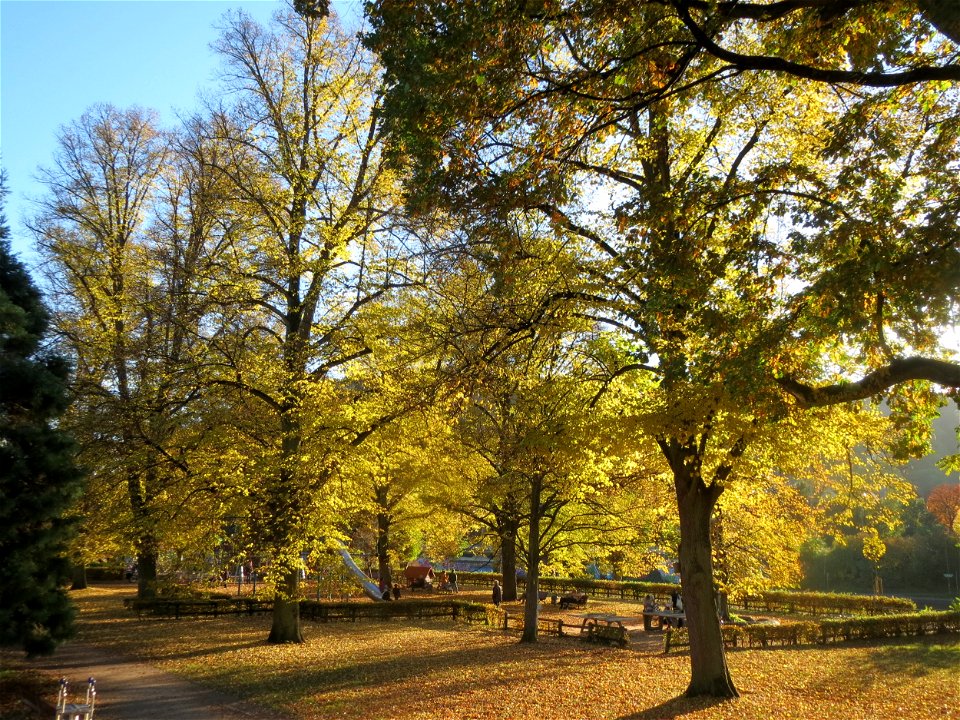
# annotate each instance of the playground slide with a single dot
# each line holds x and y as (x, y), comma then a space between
(369, 587)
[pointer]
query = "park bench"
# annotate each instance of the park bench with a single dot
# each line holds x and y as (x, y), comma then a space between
(573, 600)
(600, 627)
(663, 619)
(611, 634)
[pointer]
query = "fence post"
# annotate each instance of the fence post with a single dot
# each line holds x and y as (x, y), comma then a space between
(506, 620)
(560, 628)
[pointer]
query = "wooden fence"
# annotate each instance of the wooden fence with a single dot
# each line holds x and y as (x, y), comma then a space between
(312, 609)
(186, 607)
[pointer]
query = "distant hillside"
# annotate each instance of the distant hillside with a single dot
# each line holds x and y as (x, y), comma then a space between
(924, 473)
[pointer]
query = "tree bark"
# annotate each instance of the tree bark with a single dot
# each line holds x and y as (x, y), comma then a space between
(383, 540)
(944, 15)
(79, 581)
(508, 562)
(146, 567)
(286, 611)
(531, 607)
(897, 371)
(284, 517)
(145, 541)
(709, 672)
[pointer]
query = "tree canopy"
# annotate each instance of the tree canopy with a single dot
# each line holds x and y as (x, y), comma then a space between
(750, 237)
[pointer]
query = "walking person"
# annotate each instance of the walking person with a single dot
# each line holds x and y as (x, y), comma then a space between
(497, 593)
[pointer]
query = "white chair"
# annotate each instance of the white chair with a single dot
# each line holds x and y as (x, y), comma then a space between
(76, 711)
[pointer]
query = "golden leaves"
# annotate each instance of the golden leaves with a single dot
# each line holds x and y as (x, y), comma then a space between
(421, 670)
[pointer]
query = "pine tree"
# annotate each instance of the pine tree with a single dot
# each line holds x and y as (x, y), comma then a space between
(39, 480)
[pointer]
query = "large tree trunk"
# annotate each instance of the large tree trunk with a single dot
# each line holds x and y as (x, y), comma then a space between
(146, 567)
(286, 610)
(145, 542)
(708, 663)
(943, 15)
(284, 516)
(531, 607)
(508, 562)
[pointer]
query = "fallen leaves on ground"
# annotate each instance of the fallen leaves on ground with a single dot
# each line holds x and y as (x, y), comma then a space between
(437, 669)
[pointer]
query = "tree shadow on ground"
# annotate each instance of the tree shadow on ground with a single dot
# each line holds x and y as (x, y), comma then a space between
(916, 657)
(675, 708)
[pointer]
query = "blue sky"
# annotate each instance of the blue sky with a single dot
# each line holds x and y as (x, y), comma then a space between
(59, 57)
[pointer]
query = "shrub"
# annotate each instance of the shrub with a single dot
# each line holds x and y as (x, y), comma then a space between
(828, 630)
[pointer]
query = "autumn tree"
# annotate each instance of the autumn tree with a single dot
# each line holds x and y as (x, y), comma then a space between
(736, 263)
(944, 504)
(126, 234)
(394, 483)
(303, 164)
(873, 44)
(517, 364)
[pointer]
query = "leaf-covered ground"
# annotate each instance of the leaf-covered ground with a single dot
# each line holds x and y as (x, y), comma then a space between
(439, 669)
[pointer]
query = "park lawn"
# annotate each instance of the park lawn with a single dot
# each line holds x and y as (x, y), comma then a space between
(439, 669)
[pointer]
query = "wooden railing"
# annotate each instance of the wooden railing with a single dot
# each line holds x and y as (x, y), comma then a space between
(186, 607)
(312, 609)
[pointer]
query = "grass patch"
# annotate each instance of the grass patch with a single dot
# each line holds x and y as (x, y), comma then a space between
(438, 669)
(25, 695)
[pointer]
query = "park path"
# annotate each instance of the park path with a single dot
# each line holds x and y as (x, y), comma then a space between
(132, 690)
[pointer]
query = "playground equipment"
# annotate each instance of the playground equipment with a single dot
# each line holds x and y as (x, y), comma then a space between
(76, 711)
(369, 587)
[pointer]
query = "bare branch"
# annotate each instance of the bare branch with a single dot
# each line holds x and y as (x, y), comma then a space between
(941, 372)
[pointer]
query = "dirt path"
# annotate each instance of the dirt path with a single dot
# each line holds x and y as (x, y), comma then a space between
(131, 690)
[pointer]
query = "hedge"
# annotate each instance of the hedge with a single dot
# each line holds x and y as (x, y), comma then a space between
(825, 603)
(786, 601)
(822, 632)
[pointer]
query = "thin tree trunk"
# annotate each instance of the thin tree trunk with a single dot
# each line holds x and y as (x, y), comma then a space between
(531, 608)
(508, 563)
(79, 576)
(383, 546)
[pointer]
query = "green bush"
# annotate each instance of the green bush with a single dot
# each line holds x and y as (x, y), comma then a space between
(827, 631)
(788, 601)
(816, 603)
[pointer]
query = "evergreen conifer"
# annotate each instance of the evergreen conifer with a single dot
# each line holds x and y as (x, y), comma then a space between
(39, 481)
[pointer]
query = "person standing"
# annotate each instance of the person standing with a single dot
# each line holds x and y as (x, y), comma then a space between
(453, 581)
(497, 593)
